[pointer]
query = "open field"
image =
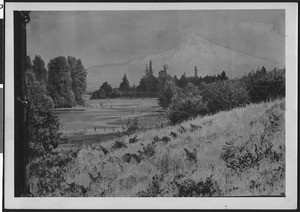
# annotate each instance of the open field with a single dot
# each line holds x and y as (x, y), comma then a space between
(235, 153)
(107, 118)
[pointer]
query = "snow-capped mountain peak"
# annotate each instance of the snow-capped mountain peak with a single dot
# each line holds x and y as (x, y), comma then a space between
(194, 51)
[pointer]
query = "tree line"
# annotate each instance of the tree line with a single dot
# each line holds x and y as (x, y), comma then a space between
(64, 78)
(151, 86)
(259, 86)
(61, 84)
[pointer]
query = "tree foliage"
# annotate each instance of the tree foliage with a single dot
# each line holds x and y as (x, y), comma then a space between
(183, 81)
(163, 77)
(39, 69)
(186, 104)
(225, 95)
(60, 82)
(168, 92)
(78, 76)
(107, 87)
(124, 86)
(142, 86)
(184, 108)
(263, 85)
(99, 94)
(42, 122)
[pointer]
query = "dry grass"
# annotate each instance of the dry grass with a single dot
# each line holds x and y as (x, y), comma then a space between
(235, 153)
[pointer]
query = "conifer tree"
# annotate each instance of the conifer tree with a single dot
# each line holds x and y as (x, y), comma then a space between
(124, 86)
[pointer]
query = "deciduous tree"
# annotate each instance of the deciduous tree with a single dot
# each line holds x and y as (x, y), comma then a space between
(60, 82)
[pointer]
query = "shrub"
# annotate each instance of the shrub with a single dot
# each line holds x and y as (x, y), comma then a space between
(187, 187)
(133, 139)
(148, 151)
(263, 85)
(239, 156)
(184, 108)
(166, 139)
(47, 173)
(168, 92)
(180, 186)
(115, 93)
(153, 190)
(118, 145)
(225, 95)
(132, 125)
(128, 158)
(191, 156)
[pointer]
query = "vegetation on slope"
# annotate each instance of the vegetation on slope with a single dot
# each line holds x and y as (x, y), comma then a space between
(236, 153)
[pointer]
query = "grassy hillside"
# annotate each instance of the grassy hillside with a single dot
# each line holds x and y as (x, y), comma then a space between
(235, 153)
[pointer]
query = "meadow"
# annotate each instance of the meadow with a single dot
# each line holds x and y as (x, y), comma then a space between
(240, 152)
(107, 118)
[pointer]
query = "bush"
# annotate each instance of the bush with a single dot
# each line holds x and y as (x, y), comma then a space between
(132, 125)
(168, 92)
(187, 187)
(128, 157)
(186, 104)
(240, 156)
(153, 190)
(148, 151)
(118, 145)
(184, 108)
(180, 186)
(47, 173)
(115, 93)
(263, 85)
(225, 95)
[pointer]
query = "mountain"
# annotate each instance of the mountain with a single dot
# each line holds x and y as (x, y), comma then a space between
(209, 57)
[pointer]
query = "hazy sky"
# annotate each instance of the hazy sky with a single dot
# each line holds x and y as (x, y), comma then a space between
(103, 37)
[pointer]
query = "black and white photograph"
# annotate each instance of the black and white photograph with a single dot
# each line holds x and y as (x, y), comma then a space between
(155, 103)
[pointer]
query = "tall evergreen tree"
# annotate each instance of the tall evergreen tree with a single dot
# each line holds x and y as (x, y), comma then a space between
(223, 76)
(142, 86)
(150, 68)
(149, 80)
(124, 86)
(183, 81)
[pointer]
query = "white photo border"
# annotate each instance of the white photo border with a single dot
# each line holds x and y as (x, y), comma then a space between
(291, 61)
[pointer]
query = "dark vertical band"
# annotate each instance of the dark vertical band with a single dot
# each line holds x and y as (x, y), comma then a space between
(2, 50)
(21, 155)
